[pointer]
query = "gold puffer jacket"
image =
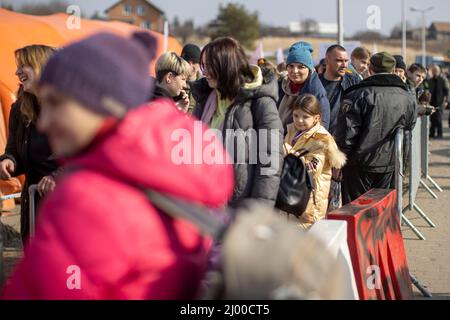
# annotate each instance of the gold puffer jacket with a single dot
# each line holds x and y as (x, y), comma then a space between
(327, 155)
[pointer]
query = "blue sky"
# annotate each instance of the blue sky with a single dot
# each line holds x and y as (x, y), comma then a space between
(281, 12)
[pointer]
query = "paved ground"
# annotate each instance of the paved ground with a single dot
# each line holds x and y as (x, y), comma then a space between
(13, 245)
(429, 260)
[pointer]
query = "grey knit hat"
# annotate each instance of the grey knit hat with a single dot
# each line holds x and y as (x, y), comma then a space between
(104, 67)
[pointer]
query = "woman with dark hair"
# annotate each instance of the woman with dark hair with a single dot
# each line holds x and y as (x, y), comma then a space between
(235, 99)
(27, 150)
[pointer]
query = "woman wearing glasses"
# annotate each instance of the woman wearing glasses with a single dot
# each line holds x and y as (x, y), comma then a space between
(234, 98)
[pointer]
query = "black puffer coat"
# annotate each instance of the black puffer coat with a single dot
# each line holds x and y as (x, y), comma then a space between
(369, 117)
(257, 175)
(30, 151)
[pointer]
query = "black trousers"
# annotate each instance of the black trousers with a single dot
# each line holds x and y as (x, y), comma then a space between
(356, 182)
(436, 123)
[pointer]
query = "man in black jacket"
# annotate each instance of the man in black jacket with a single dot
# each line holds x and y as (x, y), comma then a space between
(370, 115)
(336, 79)
(438, 87)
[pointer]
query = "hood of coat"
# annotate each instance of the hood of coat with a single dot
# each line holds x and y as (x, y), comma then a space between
(380, 80)
(312, 85)
(320, 138)
(146, 149)
(258, 88)
(160, 92)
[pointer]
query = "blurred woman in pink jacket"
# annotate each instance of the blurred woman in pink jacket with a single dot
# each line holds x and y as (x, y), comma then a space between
(98, 236)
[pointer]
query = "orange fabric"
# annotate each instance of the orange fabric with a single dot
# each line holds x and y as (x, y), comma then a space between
(19, 30)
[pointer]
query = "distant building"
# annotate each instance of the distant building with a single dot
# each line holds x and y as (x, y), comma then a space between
(295, 27)
(328, 29)
(140, 13)
(439, 31)
(414, 34)
(320, 29)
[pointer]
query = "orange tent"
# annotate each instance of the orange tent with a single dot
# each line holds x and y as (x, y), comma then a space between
(19, 30)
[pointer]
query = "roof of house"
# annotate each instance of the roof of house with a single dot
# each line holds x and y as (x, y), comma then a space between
(441, 26)
(145, 1)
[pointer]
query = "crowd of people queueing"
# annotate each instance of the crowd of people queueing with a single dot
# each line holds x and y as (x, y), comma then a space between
(93, 130)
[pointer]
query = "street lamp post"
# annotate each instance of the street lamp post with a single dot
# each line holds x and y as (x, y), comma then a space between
(424, 36)
(340, 16)
(404, 5)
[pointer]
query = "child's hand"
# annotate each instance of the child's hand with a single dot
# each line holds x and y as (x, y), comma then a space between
(312, 165)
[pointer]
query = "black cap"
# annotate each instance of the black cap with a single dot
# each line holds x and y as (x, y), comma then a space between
(191, 52)
(399, 62)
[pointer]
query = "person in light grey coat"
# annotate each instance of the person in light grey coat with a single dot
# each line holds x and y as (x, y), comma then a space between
(242, 105)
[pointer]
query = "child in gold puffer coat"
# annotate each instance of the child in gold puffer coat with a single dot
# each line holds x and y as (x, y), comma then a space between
(306, 133)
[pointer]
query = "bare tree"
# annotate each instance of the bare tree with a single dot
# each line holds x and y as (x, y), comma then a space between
(7, 6)
(182, 30)
(266, 30)
(309, 27)
(42, 9)
(397, 30)
(368, 35)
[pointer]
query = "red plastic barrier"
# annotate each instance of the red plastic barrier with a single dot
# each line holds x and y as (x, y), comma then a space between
(376, 246)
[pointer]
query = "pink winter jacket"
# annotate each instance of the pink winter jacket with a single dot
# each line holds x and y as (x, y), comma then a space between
(100, 227)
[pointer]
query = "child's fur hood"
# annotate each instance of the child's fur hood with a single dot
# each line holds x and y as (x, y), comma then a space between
(336, 157)
(322, 139)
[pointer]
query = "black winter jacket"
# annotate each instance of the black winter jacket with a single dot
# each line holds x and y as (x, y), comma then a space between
(439, 90)
(30, 151)
(257, 162)
(369, 117)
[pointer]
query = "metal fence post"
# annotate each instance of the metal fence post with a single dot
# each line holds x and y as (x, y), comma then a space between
(399, 170)
(399, 182)
(424, 143)
(31, 194)
(415, 170)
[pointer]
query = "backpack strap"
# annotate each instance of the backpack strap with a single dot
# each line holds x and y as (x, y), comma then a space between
(198, 215)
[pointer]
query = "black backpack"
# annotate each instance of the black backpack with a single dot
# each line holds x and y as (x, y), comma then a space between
(296, 185)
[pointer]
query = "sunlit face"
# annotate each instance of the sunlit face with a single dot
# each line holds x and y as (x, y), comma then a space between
(435, 71)
(417, 77)
(212, 81)
(297, 72)
(28, 78)
(70, 126)
(337, 63)
(400, 72)
(195, 70)
(361, 65)
(174, 83)
(304, 121)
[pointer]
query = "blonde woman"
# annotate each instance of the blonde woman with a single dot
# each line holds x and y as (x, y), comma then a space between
(172, 71)
(27, 150)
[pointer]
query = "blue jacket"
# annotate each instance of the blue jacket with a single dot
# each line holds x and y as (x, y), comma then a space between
(312, 86)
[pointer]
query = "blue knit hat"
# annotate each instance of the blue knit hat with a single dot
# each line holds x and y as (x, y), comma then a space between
(104, 66)
(301, 52)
